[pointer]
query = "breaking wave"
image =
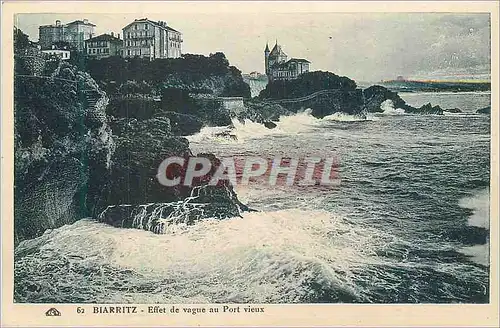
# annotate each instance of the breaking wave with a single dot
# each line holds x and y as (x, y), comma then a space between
(290, 124)
(388, 108)
(279, 257)
(343, 117)
(241, 131)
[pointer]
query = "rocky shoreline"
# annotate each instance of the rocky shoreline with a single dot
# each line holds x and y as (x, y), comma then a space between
(89, 145)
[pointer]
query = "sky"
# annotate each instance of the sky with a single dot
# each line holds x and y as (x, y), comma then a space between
(362, 46)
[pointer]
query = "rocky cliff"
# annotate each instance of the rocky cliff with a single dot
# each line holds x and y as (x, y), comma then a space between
(70, 164)
(63, 148)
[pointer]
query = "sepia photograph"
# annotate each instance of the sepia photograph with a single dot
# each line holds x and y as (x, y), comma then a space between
(243, 158)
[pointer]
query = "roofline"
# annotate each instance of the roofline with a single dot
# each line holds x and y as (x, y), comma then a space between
(65, 25)
(104, 34)
(82, 23)
(153, 23)
(299, 59)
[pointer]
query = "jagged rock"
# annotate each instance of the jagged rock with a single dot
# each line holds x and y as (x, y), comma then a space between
(375, 95)
(152, 206)
(204, 202)
(485, 110)
(141, 146)
(270, 125)
(425, 109)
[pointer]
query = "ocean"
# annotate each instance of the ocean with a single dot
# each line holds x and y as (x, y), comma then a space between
(408, 222)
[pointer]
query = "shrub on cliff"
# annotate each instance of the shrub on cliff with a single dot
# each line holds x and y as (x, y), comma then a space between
(306, 84)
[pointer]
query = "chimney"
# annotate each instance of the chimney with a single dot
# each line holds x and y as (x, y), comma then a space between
(85, 21)
(118, 35)
(58, 23)
(112, 34)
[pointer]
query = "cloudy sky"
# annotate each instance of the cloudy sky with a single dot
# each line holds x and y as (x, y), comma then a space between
(363, 46)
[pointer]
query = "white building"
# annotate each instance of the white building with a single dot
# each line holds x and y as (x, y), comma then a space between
(62, 52)
(145, 38)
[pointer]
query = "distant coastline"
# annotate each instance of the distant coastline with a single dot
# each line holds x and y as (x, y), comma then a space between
(436, 85)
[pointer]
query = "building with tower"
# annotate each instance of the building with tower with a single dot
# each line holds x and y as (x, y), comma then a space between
(74, 33)
(279, 67)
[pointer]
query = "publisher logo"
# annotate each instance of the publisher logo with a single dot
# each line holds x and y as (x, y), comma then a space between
(53, 312)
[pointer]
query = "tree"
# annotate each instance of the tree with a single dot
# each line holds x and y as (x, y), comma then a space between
(21, 40)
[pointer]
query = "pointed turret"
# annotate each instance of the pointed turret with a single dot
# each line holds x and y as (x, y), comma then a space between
(266, 58)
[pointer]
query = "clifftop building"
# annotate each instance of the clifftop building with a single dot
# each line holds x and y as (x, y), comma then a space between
(145, 38)
(104, 45)
(74, 33)
(278, 67)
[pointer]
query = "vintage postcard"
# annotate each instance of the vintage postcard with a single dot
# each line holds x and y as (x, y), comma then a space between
(250, 164)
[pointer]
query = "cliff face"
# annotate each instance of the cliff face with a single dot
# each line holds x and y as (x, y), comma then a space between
(63, 148)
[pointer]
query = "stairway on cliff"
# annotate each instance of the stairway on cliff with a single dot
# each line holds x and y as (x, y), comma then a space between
(90, 100)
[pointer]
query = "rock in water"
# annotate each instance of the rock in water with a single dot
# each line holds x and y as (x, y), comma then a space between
(270, 125)
(453, 110)
(204, 202)
(485, 110)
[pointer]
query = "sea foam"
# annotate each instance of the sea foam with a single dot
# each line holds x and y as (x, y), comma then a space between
(282, 256)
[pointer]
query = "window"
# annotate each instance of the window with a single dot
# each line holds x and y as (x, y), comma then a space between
(146, 26)
(128, 52)
(93, 51)
(90, 51)
(135, 27)
(128, 35)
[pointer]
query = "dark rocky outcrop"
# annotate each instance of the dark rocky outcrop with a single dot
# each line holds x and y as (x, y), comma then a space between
(485, 110)
(140, 201)
(203, 202)
(426, 109)
(269, 125)
(339, 94)
(306, 84)
(141, 146)
(374, 96)
(260, 112)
